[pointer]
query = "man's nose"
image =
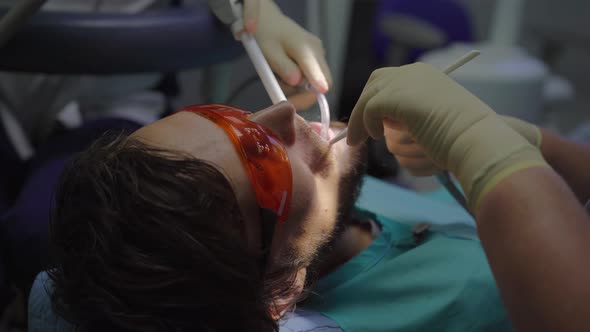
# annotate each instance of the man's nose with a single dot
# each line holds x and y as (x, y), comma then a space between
(279, 118)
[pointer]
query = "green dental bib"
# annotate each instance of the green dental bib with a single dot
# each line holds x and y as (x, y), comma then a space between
(442, 283)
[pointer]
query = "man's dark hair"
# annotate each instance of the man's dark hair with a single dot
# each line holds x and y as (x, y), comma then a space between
(147, 239)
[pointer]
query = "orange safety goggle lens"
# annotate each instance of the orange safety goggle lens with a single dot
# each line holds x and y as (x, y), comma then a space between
(262, 153)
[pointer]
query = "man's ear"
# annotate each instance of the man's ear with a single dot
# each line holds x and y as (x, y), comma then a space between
(281, 305)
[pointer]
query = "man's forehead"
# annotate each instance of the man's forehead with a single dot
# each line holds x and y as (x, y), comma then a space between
(203, 139)
(185, 132)
(199, 137)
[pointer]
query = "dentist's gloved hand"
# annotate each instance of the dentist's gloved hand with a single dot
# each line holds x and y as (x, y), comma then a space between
(458, 131)
(412, 156)
(292, 52)
(527, 130)
(251, 15)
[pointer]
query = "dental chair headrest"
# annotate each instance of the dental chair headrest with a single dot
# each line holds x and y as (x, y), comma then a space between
(166, 40)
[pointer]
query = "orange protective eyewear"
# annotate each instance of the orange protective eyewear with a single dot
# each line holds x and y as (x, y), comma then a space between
(264, 156)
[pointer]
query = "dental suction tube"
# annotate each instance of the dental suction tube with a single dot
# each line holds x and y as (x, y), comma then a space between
(325, 114)
(271, 85)
(269, 81)
(324, 111)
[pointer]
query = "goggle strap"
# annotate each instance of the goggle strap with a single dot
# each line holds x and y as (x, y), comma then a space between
(268, 223)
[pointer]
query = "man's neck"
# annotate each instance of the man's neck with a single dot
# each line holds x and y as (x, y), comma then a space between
(353, 240)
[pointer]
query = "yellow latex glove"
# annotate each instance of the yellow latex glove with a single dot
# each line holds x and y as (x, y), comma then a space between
(458, 131)
(412, 156)
(529, 131)
(251, 15)
(292, 52)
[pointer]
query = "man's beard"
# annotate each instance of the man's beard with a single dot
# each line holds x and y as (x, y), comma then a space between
(350, 185)
(349, 190)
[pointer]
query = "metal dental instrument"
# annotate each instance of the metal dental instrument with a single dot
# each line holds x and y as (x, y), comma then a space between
(230, 13)
(339, 136)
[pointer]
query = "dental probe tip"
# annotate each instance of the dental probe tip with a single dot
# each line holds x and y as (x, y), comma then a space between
(339, 136)
(463, 60)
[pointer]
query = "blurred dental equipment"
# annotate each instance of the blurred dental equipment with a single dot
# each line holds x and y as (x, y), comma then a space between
(230, 12)
(457, 64)
(508, 79)
(506, 76)
(506, 22)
